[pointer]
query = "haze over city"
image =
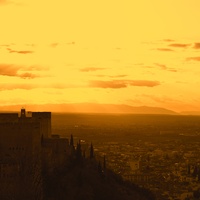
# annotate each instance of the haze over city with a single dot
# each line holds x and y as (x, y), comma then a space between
(137, 53)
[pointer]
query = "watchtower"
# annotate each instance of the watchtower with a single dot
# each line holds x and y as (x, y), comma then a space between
(23, 113)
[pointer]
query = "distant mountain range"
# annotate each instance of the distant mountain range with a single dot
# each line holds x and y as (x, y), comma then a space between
(91, 108)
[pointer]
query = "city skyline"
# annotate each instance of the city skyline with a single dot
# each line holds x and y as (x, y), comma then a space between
(124, 52)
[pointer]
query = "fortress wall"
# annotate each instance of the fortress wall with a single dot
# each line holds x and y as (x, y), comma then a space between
(24, 152)
(20, 158)
(18, 139)
(8, 117)
(55, 152)
(45, 122)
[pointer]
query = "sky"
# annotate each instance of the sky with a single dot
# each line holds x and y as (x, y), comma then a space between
(139, 53)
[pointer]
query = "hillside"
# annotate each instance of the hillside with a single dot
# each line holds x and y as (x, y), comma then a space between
(86, 179)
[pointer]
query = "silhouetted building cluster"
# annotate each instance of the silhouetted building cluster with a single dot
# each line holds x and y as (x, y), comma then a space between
(27, 149)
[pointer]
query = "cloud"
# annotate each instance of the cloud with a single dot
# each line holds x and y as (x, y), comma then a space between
(164, 67)
(4, 2)
(179, 45)
(117, 84)
(161, 66)
(53, 45)
(113, 76)
(28, 86)
(100, 75)
(144, 83)
(8, 70)
(108, 84)
(28, 75)
(172, 70)
(61, 86)
(16, 71)
(11, 86)
(193, 59)
(168, 40)
(118, 76)
(164, 49)
(20, 52)
(36, 68)
(91, 69)
(196, 45)
(5, 45)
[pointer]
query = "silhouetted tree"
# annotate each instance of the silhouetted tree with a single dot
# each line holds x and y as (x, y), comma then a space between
(91, 151)
(71, 147)
(71, 141)
(78, 151)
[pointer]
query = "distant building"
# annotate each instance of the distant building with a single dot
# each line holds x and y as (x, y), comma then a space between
(27, 149)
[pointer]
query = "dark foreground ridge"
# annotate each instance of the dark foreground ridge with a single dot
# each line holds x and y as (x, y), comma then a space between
(38, 165)
(86, 178)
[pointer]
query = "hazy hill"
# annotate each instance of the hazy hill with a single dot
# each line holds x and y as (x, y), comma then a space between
(91, 108)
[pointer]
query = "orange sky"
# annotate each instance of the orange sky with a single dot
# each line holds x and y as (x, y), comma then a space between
(117, 52)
